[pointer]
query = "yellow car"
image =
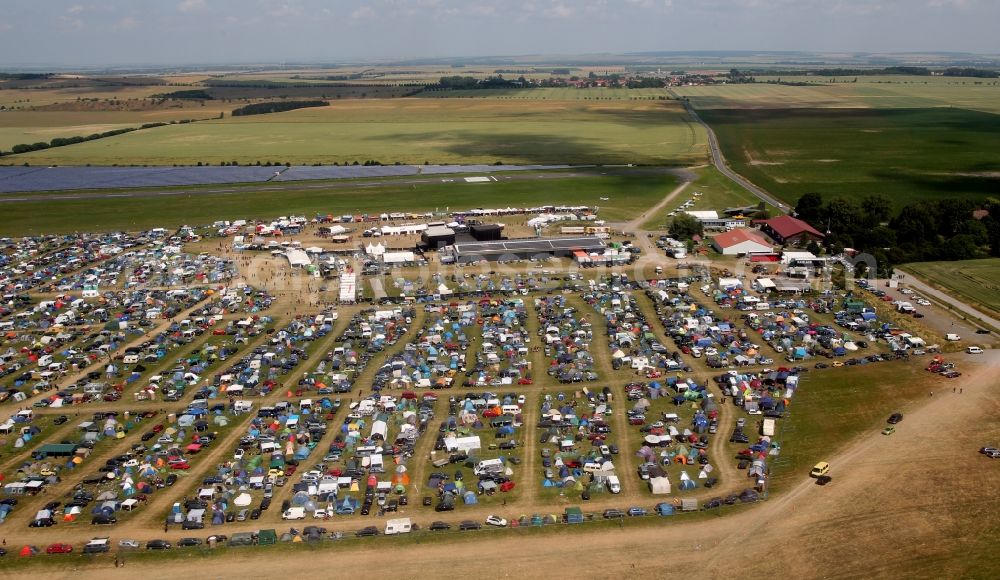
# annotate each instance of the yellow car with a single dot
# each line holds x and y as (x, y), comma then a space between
(820, 469)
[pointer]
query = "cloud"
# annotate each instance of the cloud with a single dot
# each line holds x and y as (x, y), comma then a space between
(362, 13)
(126, 23)
(560, 10)
(188, 6)
(282, 9)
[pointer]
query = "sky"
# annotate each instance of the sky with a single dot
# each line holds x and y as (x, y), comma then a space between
(177, 32)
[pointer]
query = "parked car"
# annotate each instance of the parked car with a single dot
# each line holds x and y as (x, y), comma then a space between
(895, 418)
(128, 544)
(59, 548)
(494, 520)
(469, 525)
(189, 542)
(613, 513)
(367, 532)
(158, 545)
(439, 526)
(889, 430)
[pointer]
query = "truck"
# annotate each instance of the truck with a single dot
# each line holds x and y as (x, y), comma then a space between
(767, 428)
(398, 526)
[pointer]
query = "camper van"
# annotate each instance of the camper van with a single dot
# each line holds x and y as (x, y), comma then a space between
(398, 526)
(488, 466)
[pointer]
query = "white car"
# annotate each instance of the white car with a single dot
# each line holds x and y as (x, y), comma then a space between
(320, 514)
(492, 520)
(128, 544)
(974, 350)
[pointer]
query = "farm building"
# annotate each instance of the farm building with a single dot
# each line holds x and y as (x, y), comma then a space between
(525, 249)
(740, 242)
(786, 229)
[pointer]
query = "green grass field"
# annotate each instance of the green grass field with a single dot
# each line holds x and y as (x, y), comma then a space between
(33, 126)
(633, 193)
(868, 92)
(718, 193)
(905, 154)
(975, 281)
(414, 131)
(834, 406)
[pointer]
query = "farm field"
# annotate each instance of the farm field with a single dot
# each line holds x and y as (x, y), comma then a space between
(905, 154)
(868, 92)
(632, 193)
(976, 281)
(33, 126)
(554, 94)
(414, 131)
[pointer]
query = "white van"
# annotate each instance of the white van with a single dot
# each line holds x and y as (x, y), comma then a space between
(614, 485)
(952, 337)
(974, 350)
(398, 526)
(294, 513)
(488, 466)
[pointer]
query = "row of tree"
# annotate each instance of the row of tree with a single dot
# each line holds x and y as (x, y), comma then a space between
(943, 229)
(275, 107)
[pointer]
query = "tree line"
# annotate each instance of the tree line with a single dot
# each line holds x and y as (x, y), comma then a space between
(275, 107)
(943, 229)
(64, 141)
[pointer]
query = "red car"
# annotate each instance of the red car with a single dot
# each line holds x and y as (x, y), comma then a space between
(525, 382)
(180, 465)
(59, 549)
(158, 428)
(289, 469)
(219, 332)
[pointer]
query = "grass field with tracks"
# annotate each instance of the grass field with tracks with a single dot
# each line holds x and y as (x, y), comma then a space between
(414, 131)
(974, 281)
(904, 154)
(869, 92)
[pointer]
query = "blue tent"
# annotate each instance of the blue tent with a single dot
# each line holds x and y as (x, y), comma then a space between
(470, 498)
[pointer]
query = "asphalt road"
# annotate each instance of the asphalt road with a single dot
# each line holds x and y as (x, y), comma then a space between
(719, 161)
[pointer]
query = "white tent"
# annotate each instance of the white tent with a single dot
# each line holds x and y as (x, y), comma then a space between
(243, 500)
(659, 485)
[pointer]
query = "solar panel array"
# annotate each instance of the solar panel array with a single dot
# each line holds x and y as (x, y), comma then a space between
(28, 179)
(541, 245)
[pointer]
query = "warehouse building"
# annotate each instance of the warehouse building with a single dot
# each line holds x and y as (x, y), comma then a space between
(524, 249)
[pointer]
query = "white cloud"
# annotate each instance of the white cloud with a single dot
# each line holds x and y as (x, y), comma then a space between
(188, 6)
(282, 9)
(75, 9)
(560, 10)
(126, 23)
(362, 13)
